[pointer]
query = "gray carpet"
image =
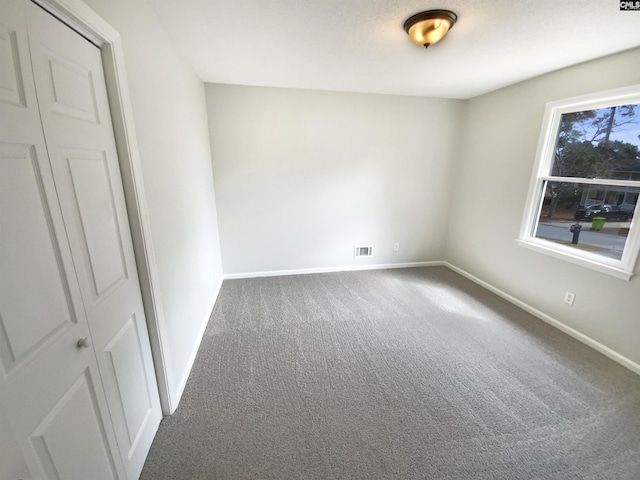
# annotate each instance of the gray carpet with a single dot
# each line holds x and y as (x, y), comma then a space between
(394, 374)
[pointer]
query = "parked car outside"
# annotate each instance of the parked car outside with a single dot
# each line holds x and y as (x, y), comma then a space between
(610, 212)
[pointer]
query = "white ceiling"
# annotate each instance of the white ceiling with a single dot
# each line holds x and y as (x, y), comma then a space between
(360, 45)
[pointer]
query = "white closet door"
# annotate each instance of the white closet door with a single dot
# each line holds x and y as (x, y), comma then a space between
(75, 116)
(50, 388)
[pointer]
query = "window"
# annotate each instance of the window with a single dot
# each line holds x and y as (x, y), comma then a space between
(584, 189)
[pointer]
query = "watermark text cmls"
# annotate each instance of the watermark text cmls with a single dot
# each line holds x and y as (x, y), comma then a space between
(630, 5)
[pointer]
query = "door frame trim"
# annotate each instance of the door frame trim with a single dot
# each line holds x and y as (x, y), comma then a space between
(81, 18)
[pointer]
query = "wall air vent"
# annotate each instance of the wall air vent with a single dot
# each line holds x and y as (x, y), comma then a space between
(366, 251)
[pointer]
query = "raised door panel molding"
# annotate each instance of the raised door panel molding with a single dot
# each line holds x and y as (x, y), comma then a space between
(99, 233)
(33, 286)
(129, 373)
(73, 92)
(11, 85)
(74, 425)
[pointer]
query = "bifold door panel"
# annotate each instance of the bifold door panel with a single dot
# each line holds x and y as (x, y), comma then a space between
(33, 284)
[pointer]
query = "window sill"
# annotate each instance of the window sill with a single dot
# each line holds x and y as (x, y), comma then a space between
(584, 262)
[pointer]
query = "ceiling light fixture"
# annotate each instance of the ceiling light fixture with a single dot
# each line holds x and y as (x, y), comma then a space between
(429, 27)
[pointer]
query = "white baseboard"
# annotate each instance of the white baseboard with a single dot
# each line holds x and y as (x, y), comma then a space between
(612, 354)
(350, 268)
(194, 352)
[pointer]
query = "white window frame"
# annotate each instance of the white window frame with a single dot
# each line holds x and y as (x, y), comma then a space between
(622, 268)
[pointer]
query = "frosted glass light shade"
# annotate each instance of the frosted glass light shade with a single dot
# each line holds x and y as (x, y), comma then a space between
(427, 28)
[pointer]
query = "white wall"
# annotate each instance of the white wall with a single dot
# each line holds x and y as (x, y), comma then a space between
(171, 126)
(302, 176)
(501, 131)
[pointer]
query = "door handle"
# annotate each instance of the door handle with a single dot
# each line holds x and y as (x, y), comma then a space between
(84, 342)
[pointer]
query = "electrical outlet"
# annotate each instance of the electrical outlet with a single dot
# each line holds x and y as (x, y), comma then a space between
(569, 298)
(396, 246)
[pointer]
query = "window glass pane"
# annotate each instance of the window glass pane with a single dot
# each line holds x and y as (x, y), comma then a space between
(603, 214)
(601, 143)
